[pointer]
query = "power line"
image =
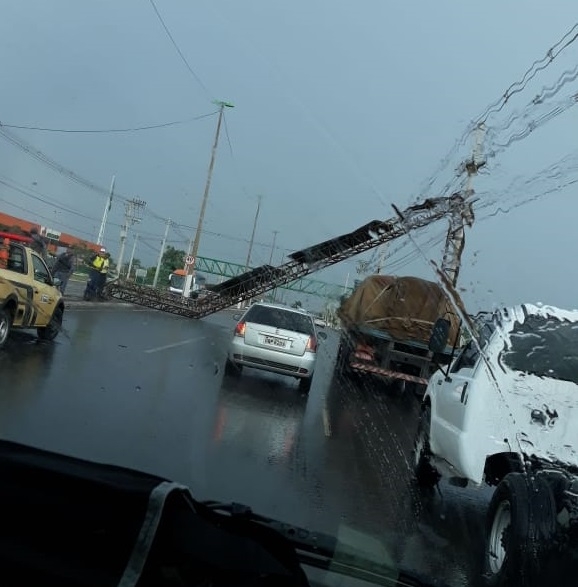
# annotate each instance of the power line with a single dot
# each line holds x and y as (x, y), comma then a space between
(180, 53)
(108, 130)
(516, 87)
(50, 220)
(530, 73)
(35, 153)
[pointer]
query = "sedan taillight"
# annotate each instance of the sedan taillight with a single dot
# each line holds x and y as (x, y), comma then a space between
(240, 329)
(311, 345)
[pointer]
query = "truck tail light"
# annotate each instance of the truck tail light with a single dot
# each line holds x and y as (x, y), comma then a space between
(311, 345)
(240, 329)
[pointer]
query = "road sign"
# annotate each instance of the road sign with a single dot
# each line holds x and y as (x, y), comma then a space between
(189, 260)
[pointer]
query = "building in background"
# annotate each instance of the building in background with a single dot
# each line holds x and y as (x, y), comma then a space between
(56, 239)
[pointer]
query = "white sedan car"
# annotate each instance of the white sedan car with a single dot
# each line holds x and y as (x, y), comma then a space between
(275, 338)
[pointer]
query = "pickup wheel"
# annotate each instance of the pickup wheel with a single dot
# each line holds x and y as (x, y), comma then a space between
(521, 523)
(5, 325)
(305, 384)
(50, 332)
(232, 369)
(425, 473)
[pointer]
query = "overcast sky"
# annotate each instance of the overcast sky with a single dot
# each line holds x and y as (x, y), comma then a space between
(341, 109)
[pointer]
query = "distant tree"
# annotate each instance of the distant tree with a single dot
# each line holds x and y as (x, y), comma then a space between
(173, 259)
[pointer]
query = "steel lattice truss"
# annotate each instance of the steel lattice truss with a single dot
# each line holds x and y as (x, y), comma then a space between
(304, 262)
(314, 287)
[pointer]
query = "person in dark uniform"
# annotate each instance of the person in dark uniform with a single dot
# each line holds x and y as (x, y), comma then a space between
(38, 244)
(63, 268)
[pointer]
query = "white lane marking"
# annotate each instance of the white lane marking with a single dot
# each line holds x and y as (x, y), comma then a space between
(326, 423)
(174, 344)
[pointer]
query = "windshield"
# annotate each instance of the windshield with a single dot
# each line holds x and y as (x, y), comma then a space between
(546, 347)
(177, 281)
(369, 198)
(280, 318)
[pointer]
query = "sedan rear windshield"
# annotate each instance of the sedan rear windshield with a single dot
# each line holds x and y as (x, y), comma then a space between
(546, 347)
(280, 318)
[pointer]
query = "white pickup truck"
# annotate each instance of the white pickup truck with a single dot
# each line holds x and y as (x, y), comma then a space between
(505, 413)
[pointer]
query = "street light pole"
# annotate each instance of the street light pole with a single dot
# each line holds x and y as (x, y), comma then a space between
(161, 253)
(275, 232)
(259, 198)
(100, 238)
(132, 256)
(190, 269)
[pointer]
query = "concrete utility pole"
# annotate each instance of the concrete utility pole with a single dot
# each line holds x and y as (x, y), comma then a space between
(107, 207)
(161, 254)
(247, 263)
(132, 211)
(132, 256)
(190, 268)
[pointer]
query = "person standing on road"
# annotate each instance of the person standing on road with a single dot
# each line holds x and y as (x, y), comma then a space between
(97, 276)
(63, 268)
(38, 244)
(103, 274)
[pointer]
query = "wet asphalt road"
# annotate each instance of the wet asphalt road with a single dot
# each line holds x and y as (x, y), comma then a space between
(147, 390)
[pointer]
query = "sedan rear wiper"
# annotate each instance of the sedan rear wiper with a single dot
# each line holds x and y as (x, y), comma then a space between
(325, 552)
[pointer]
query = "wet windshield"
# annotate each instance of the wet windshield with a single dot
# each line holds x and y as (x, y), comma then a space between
(546, 347)
(394, 181)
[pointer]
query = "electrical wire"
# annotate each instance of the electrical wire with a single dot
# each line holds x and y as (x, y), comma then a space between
(108, 130)
(178, 50)
(50, 220)
(495, 107)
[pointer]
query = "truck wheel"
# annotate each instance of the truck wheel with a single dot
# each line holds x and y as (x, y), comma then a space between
(521, 522)
(51, 331)
(425, 473)
(5, 325)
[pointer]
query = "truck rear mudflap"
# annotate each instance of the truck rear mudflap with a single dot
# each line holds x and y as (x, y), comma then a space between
(369, 368)
(363, 360)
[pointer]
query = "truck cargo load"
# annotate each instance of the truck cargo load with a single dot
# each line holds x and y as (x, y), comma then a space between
(404, 307)
(387, 323)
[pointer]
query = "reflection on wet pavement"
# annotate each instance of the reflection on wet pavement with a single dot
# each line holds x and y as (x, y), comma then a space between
(147, 390)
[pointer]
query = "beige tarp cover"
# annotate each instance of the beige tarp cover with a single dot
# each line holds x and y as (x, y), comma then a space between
(405, 307)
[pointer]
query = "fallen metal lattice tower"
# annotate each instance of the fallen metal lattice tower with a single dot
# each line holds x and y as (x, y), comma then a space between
(307, 261)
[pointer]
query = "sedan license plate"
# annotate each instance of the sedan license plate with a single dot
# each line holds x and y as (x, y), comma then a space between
(274, 341)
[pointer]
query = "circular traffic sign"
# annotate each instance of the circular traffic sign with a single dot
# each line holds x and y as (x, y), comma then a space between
(189, 260)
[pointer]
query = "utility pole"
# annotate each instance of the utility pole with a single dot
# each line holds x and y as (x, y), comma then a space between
(161, 254)
(275, 233)
(132, 256)
(132, 211)
(190, 268)
(247, 263)
(107, 207)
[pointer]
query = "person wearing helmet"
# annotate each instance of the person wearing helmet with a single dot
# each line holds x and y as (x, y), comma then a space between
(98, 264)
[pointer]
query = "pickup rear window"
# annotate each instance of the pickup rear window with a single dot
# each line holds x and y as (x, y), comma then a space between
(280, 318)
(546, 347)
(17, 259)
